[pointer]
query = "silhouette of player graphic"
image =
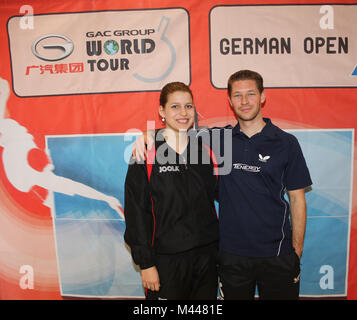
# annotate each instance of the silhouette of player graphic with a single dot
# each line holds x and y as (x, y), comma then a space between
(28, 167)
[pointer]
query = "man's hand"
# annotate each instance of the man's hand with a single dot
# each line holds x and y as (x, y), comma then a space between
(150, 279)
(142, 144)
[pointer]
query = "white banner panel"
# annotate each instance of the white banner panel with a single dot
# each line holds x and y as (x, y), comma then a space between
(290, 45)
(98, 52)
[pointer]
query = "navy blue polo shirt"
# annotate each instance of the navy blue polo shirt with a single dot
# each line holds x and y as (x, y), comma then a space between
(254, 215)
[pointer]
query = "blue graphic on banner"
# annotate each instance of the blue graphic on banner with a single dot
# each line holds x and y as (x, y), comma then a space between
(324, 264)
(92, 257)
(94, 261)
(354, 73)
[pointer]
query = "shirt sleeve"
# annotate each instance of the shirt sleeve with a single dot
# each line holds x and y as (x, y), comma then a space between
(138, 216)
(297, 173)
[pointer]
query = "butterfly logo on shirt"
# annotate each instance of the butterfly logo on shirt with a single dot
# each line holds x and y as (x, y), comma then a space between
(263, 158)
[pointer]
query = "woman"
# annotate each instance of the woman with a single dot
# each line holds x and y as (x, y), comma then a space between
(171, 222)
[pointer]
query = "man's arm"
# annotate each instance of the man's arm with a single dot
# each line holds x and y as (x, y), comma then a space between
(298, 218)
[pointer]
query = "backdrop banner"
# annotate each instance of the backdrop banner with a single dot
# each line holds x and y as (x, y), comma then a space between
(79, 81)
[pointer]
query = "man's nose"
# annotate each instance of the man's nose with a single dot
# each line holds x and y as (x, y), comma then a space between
(244, 99)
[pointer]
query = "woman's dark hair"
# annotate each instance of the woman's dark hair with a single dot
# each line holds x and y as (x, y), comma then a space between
(171, 88)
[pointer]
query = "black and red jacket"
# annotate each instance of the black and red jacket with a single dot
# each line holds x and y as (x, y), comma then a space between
(172, 210)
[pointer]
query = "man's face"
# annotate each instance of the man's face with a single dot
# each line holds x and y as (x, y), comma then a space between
(246, 100)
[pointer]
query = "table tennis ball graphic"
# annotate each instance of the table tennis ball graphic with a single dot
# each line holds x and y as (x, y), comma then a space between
(164, 23)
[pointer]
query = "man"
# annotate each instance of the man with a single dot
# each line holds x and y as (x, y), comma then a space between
(261, 234)
(258, 246)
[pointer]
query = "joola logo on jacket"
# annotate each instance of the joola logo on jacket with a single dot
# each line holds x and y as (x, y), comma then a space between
(169, 168)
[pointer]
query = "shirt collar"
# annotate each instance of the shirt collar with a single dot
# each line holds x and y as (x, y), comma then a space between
(268, 130)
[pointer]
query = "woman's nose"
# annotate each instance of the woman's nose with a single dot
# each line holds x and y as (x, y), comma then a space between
(183, 111)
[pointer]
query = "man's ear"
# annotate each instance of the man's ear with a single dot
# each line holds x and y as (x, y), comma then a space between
(262, 97)
(230, 102)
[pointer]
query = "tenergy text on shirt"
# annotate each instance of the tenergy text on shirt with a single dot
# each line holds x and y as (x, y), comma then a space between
(246, 167)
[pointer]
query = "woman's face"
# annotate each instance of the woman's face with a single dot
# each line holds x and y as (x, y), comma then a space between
(178, 111)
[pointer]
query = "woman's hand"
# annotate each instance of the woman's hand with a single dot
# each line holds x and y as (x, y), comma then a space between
(150, 278)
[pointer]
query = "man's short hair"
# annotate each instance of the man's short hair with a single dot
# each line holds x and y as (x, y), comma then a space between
(245, 75)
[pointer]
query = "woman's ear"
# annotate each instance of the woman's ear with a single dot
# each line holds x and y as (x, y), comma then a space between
(162, 112)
